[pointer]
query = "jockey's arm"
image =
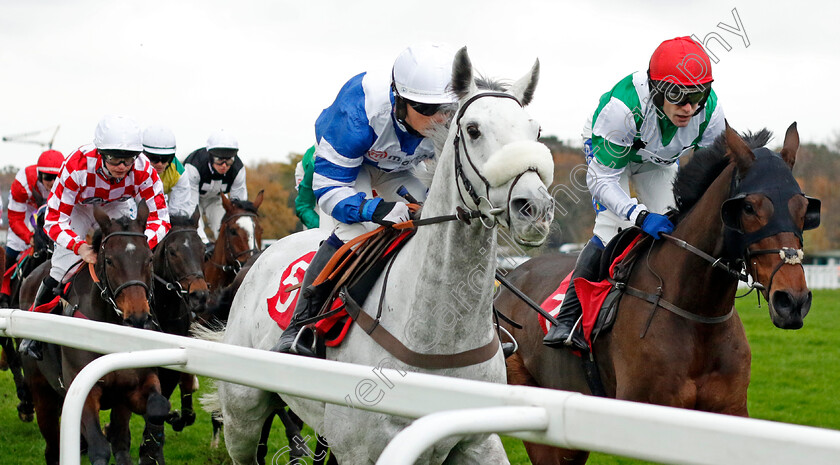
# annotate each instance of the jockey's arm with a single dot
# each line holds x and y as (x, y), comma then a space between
(194, 180)
(239, 189)
(17, 210)
(150, 190)
(305, 200)
(181, 198)
(603, 181)
(60, 204)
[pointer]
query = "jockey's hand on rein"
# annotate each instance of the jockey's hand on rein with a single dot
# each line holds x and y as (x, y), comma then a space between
(654, 223)
(87, 253)
(390, 213)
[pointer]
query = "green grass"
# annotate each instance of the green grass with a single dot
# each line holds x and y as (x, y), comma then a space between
(795, 379)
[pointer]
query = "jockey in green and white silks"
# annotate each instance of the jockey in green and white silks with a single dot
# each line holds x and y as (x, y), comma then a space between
(627, 115)
(637, 133)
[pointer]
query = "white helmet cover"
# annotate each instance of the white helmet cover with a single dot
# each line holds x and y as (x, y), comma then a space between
(222, 139)
(422, 73)
(118, 133)
(159, 140)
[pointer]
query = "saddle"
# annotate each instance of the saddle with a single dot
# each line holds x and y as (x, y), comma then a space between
(351, 274)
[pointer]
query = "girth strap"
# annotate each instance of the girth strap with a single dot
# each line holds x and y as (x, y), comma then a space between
(387, 341)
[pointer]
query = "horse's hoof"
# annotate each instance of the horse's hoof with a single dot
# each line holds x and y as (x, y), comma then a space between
(26, 412)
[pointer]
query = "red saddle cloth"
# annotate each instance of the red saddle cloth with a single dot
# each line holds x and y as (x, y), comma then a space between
(281, 306)
(591, 296)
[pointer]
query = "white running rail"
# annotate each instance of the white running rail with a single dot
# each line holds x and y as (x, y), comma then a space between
(573, 420)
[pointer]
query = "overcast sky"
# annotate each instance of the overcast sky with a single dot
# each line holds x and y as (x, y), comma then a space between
(265, 69)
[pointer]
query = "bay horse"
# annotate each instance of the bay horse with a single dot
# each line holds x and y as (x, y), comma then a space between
(239, 237)
(739, 204)
(180, 292)
(30, 259)
(116, 290)
(489, 162)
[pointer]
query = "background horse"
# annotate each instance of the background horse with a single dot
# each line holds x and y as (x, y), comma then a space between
(727, 209)
(180, 291)
(124, 270)
(239, 237)
(492, 146)
(29, 260)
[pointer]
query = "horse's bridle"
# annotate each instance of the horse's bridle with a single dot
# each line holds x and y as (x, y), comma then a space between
(175, 286)
(104, 283)
(459, 167)
(237, 265)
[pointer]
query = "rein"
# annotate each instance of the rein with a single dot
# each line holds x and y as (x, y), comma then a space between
(105, 288)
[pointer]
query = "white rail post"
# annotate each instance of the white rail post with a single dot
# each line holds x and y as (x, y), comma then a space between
(71, 417)
(407, 446)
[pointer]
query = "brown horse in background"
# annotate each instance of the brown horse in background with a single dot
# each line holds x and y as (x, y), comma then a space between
(652, 355)
(239, 238)
(115, 291)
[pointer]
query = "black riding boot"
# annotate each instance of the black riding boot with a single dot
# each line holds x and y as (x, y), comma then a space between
(587, 267)
(308, 304)
(46, 293)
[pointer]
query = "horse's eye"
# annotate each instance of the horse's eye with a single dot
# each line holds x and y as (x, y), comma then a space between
(748, 208)
(231, 232)
(473, 132)
(171, 252)
(108, 261)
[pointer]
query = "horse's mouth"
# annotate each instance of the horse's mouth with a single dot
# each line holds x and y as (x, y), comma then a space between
(787, 310)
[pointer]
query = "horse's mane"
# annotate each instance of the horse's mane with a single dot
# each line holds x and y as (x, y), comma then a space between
(439, 133)
(705, 166)
(125, 223)
(181, 220)
(246, 205)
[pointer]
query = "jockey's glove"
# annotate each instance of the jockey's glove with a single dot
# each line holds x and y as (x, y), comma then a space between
(654, 223)
(389, 213)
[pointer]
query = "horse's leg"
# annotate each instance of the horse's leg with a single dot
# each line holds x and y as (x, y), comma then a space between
(216, 434)
(25, 408)
(262, 446)
(188, 385)
(48, 407)
(119, 435)
(244, 410)
(149, 402)
(99, 450)
(481, 450)
(293, 424)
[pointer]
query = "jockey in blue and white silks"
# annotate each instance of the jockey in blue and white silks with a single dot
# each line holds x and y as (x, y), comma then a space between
(368, 142)
(638, 132)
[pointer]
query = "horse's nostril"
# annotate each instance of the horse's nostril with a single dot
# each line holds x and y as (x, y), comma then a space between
(782, 300)
(523, 207)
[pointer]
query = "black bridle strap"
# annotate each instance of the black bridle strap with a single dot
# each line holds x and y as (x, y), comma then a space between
(228, 252)
(459, 168)
(657, 301)
(715, 262)
(175, 284)
(106, 292)
(787, 255)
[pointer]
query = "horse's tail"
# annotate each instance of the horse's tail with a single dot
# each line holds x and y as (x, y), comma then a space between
(211, 403)
(209, 331)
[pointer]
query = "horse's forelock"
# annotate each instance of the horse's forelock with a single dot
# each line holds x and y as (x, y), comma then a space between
(180, 220)
(246, 205)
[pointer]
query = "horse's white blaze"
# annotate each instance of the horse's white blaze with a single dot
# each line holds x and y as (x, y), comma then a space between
(246, 223)
(130, 248)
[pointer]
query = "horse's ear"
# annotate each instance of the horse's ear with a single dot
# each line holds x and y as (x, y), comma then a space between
(259, 199)
(142, 213)
(523, 89)
(462, 74)
(195, 216)
(791, 145)
(738, 151)
(102, 218)
(226, 202)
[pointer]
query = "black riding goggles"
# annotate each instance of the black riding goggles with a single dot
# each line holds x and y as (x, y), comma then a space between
(679, 96)
(118, 157)
(222, 161)
(48, 177)
(165, 159)
(426, 109)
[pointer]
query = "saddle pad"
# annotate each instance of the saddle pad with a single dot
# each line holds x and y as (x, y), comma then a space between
(553, 302)
(591, 295)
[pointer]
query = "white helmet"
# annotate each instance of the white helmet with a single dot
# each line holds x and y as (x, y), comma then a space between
(422, 74)
(159, 140)
(222, 139)
(118, 133)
